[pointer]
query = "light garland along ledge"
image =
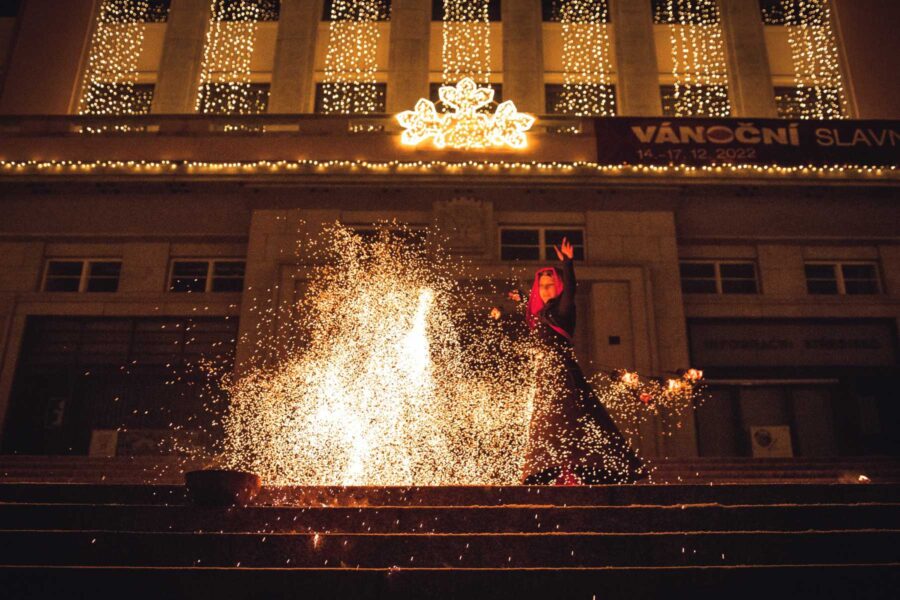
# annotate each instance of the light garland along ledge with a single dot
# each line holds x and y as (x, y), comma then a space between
(115, 167)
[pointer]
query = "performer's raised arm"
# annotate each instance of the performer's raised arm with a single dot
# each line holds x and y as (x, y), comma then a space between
(566, 253)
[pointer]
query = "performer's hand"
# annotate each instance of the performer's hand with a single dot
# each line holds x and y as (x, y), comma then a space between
(514, 295)
(566, 250)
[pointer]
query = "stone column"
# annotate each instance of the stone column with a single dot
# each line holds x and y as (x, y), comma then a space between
(523, 54)
(750, 86)
(408, 58)
(179, 68)
(637, 70)
(295, 50)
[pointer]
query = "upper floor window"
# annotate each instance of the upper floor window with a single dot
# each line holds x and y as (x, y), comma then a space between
(9, 9)
(229, 99)
(718, 277)
(493, 8)
(672, 12)
(796, 102)
(236, 10)
(355, 98)
(81, 275)
(199, 276)
(346, 10)
(850, 278)
(152, 11)
(411, 238)
(536, 243)
(580, 99)
(715, 100)
(552, 10)
(782, 12)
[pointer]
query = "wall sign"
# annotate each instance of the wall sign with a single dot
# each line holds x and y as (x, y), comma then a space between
(801, 343)
(662, 141)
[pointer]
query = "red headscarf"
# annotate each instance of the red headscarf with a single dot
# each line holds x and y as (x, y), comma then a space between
(536, 303)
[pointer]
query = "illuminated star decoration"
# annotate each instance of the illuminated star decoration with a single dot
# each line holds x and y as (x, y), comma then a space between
(465, 127)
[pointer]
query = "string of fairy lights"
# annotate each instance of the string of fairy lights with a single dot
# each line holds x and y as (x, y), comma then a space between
(112, 68)
(587, 61)
(225, 85)
(466, 48)
(351, 61)
(817, 69)
(698, 56)
(480, 168)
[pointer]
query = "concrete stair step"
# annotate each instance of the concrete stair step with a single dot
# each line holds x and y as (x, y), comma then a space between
(519, 550)
(484, 519)
(601, 495)
(611, 583)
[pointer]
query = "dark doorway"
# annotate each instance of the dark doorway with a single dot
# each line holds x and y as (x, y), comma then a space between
(139, 377)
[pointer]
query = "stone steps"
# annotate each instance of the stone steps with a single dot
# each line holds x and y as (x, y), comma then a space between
(450, 519)
(698, 583)
(431, 550)
(472, 496)
(702, 540)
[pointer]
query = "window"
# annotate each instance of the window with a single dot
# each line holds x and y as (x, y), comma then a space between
(383, 7)
(9, 9)
(412, 239)
(796, 102)
(225, 98)
(551, 10)
(718, 277)
(122, 98)
(774, 12)
(842, 278)
(437, 10)
(666, 12)
(82, 276)
(199, 276)
(155, 11)
(269, 10)
(717, 97)
(537, 243)
(356, 97)
(581, 99)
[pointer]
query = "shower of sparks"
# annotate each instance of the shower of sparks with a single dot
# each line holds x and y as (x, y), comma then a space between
(390, 382)
(396, 373)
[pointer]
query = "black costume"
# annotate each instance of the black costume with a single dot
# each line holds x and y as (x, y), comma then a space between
(571, 432)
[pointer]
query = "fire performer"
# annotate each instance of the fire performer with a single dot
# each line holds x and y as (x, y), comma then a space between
(572, 438)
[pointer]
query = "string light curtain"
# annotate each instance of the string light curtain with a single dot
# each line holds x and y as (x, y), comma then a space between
(351, 62)
(466, 50)
(225, 86)
(698, 55)
(112, 70)
(587, 89)
(817, 69)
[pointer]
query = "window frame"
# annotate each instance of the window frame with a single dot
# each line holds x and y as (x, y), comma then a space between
(542, 240)
(210, 274)
(837, 267)
(85, 276)
(717, 273)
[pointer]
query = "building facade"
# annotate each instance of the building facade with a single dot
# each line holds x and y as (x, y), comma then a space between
(145, 218)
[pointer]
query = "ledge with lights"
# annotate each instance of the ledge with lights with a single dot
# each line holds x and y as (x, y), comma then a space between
(50, 168)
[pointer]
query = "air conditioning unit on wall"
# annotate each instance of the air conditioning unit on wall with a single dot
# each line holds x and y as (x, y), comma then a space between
(771, 441)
